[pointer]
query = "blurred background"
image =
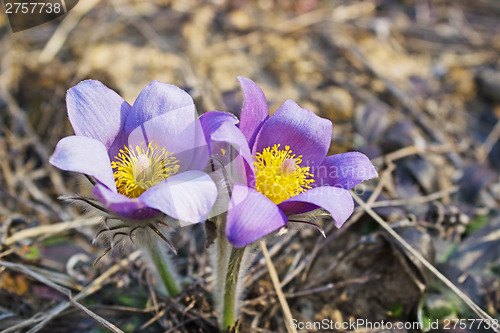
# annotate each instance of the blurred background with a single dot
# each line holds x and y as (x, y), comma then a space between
(415, 85)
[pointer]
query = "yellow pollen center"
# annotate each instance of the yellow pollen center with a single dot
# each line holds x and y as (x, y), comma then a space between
(278, 174)
(138, 169)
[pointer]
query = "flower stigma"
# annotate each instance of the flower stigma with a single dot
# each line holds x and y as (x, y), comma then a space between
(136, 170)
(278, 174)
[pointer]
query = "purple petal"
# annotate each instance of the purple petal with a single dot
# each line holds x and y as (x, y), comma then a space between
(165, 115)
(188, 196)
(338, 202)
(344, 170)
(133, 209)
(251, 216)
(156, 99)
(97, 112)
(255, 110)
(212, 120)
(84, 155)
(307, 134)
(220, 129)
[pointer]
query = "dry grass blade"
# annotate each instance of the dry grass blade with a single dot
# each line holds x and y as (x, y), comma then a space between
(59, 37)
(20, 116)
(90, 289)
(488, 144)
(415, 200)
(43, 319)
(277, 287)
(67, 292)
(480, 312)
(50, 230)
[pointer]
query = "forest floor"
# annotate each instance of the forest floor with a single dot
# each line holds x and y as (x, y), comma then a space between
(415, 85)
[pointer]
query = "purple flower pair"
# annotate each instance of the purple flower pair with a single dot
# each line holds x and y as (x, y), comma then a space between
(282, 166)
(147, 159)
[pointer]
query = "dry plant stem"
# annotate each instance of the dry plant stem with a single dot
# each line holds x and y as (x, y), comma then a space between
(415, 200)
(480, 312)
(277, 287)
(157, 252)
(57, 40)
(487, 146)
(52, 229)
(231, 288)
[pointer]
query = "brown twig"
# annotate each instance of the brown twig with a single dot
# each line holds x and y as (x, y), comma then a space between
(485, 149)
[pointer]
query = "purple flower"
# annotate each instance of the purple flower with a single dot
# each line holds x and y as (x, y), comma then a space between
(146, 159)
(283, 168)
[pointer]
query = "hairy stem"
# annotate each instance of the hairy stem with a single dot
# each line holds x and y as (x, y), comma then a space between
(219, 255)
(230, 310)
(157, 252)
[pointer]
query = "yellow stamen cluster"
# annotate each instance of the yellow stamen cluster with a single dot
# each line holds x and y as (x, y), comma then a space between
(278, 174)
(138, 169)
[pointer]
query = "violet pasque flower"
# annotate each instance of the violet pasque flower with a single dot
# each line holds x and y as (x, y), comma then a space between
(146, 159)
(283, 168)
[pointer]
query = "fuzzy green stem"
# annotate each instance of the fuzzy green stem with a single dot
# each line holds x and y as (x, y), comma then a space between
(162, 266)
(230, 290)
(222, 252)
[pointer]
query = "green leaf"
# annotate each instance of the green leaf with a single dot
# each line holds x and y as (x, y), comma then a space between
(477, 223)
(33, 253)
(395, 310)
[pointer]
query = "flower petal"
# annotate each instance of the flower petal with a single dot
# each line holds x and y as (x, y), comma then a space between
(165, 115)
(133, 209)
(97, 112)
(219, 129)
(338, 202)
(251, 216)
(212, 120)
(84, 155)
(344, 170)
(187, 197)
(254, 111)
(156, 99)
(307, 134)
